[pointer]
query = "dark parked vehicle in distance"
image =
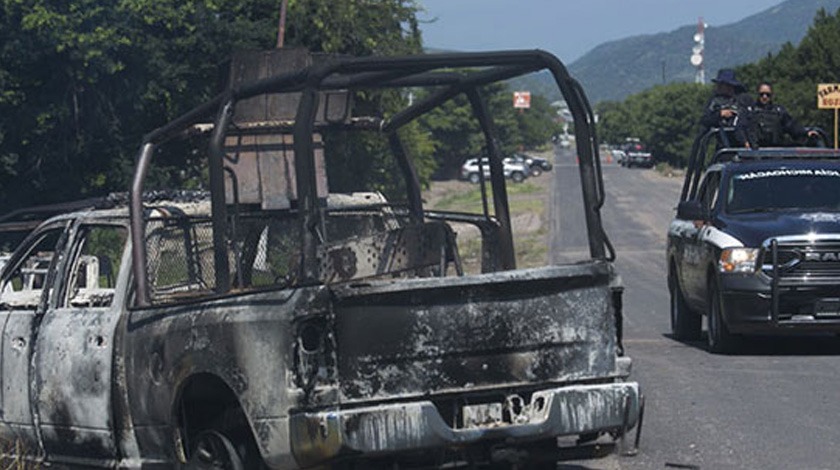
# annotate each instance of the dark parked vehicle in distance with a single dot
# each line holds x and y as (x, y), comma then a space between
(537, 165)
(755, 245)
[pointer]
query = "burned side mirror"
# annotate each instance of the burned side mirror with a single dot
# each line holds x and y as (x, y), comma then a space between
(691, 210)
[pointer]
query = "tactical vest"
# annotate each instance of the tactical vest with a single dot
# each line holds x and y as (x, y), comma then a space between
(726, 102)
(768, 122)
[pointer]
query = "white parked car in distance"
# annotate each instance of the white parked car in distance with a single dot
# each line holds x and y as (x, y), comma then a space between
(514, 170)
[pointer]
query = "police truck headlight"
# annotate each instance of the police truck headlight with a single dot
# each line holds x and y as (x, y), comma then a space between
(738, 260)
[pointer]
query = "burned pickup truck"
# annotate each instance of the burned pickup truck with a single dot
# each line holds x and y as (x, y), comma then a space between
(292, 318)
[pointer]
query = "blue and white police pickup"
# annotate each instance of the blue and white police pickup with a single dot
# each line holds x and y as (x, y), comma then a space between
(755, 246)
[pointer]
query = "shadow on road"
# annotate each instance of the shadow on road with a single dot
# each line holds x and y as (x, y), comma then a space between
(827, 344)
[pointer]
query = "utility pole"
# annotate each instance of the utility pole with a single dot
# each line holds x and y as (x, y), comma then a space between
(281, 29)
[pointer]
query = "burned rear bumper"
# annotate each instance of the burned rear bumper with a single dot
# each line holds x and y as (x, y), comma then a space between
(406, 427)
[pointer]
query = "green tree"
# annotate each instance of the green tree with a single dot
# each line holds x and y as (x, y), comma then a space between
(536, 124)
(795, 72)
(82, 81)
(456, 135)
(665, 117)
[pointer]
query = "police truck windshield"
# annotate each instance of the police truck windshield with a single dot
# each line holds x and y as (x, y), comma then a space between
(780, 189)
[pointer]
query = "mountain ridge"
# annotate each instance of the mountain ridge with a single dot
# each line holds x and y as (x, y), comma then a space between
(616, 69)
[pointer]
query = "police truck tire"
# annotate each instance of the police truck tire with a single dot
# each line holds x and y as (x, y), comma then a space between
(721, 341)
(685, 324)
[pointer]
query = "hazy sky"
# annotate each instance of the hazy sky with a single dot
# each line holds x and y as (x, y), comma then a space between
(567, 28)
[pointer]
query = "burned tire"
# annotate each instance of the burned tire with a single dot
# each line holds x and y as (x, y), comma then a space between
(685, 324)
(720, 340)
(219, 437)
(214, 450)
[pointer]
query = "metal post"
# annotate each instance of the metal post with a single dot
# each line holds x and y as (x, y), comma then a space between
(497, 179)
(415, 200)
(138, 226)
(281, 29)
(217, 199)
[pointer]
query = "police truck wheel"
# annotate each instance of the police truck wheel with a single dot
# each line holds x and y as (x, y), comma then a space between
(517, 177)
(721, 341)
(685, 324)
(474, 178)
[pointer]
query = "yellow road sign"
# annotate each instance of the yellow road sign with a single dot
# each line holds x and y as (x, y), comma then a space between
(828, 95)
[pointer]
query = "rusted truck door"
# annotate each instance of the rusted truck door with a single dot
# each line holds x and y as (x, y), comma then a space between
(74, 360)
(22, 297)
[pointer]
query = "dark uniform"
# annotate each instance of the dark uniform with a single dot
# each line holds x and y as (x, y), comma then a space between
(771, 122)
(740, 104)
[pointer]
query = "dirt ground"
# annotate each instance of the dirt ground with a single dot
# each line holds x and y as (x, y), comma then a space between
(528, 201)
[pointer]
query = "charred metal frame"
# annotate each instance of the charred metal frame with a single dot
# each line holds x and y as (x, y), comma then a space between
(474, 70)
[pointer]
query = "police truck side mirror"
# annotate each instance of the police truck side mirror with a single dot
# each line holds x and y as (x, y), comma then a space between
(691, 210)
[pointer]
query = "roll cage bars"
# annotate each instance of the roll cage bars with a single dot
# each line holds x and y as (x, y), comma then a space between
(456, 73)
(697, 163)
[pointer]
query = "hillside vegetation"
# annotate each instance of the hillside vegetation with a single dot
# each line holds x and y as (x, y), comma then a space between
(667, 116)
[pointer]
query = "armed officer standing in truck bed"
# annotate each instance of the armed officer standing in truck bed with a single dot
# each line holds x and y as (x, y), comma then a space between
(771, 121)
(728, 108)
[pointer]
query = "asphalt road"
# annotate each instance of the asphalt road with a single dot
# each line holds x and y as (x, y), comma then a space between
(774, 405)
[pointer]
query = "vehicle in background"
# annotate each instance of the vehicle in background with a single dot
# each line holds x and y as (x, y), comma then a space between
(619, 156)
(536, 165)
(636, 154)
(515, 170)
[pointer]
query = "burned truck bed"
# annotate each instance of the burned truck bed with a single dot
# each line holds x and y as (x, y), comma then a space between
(303, 315)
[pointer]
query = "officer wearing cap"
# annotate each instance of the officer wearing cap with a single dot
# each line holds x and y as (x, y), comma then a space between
(771, 121)
(729, 108)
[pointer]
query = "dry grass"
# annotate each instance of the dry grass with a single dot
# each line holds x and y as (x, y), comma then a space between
(527, 203)
(10, 457)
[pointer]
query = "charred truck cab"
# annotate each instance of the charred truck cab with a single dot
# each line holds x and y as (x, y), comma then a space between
(297, 316)
(755, 245)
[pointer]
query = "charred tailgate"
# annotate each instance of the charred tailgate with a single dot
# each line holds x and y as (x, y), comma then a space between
(435, 335)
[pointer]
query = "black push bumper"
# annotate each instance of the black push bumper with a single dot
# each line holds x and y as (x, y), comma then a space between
(761, 303)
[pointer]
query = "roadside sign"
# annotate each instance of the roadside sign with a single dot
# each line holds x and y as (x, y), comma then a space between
(522, 99)
(828, 97)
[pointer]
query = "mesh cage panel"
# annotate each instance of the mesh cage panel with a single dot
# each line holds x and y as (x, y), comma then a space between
(180, 257)
(262, 252)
